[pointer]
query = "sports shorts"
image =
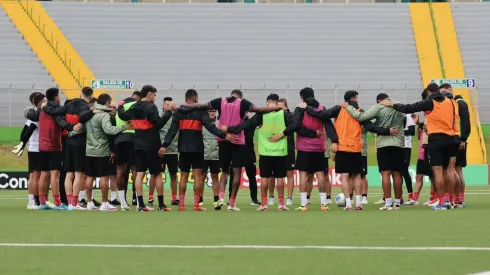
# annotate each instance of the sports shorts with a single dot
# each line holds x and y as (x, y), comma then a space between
(172, 162)
(348, 163)
(461, 157)
(407, 156)
(124, 153)
(75, 159)
(441, 149)
(391, 158)
(326, 167)
(51, 161)
(364, 171)
(291, 160)
(213, 166)
(34, 161)
(97, 166)
(147, 160)
(188, 161)
(112, 168)
(272, 166)
(231, 154)
(310, 162)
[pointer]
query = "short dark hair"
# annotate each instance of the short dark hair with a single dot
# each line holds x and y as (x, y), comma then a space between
(190, 93)
(433, 88)
(283, 100)
(87, 91)
(425, 94)
(68, 101)
(273, 97)
(350, 94)
(167, 98)
(38, 98)
(52, 93)
(237, 93)
(458, 97)
(445, 86)
(137, 93)
(306, 93)
(381, 96)
(93, 100)
(103, 99)
(32, 96)
(147, 89)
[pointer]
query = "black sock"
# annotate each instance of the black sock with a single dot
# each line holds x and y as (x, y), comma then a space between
(329, 197)
(216, 198)
(200, 199)
(160, 201)
(364, 195)
(141, 203)
(351, 196)
(36, 199)
(307, 197)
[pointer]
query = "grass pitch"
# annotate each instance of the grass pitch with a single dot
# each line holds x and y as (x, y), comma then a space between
(412, 226)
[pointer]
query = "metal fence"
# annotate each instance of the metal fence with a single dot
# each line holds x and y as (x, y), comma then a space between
(16, 99)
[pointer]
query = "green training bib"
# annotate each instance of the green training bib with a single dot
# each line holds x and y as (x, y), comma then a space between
(120, 122)
(272, 123)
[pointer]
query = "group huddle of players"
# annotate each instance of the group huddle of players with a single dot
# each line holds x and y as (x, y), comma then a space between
(88, 138)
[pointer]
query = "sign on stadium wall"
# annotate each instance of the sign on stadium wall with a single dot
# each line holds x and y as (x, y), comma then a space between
(474, 175)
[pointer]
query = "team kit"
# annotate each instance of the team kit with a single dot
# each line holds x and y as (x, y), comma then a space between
(86, 138)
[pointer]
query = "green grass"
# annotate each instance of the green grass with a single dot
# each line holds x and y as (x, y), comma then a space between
(411, 226)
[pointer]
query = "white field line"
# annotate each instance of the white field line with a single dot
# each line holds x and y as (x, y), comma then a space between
(257, 247)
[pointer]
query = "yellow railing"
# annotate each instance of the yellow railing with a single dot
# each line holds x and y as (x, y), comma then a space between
(55, 44)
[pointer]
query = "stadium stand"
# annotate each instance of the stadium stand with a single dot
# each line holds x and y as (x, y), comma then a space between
(472, 27)
(20, 69)
(362, 46)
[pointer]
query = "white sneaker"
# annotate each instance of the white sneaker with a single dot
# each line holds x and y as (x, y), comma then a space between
(271, 201)
(233, 209)
(107, 207)
(262, 208)
(308, 201)
(32, 207)
(125, 208)
(364, 200)
(282, 208)
(50, 204)
(411, 202)
(77, 207)
(253, 203)
(329, 202)
(434, 204)
(289, 201)
(91, 206)
(386, 208)
(381, 201)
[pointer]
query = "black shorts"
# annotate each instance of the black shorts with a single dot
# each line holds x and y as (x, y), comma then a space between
(461, 157)
(74, 158)
(112, 168)
(423, 168)
(273, 167)
(364, 171)
(310, 162)
(391, 158)
(348, 163)
(250, 157)
(147, 160)
(172, 162)
(407, 155)
(188, 161)
(440, 155)
(50, 161)
(35, 161)
(326, 167)
(291, 160)
(213, 166)
(231, 154)
(97, 166)
(124, 153)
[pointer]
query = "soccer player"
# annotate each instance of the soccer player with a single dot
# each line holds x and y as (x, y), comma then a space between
(408, 133)
(232, 111)
(442, 126)
(291, 159)
(211, 158)
(311, 157)
(147, 124)
(189, 123)
(364, 171)
(389, 147)
(124, 151)
(98, 153)
(75, 151)
(170, 159)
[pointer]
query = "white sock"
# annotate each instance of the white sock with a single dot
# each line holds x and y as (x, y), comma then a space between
(323, 198)
(122, 198)
(81, 195)
(30, 199)
(388, 202)
(348, 202)
(397, 202)
(113, 195)
(358, 200)
(304, 201)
